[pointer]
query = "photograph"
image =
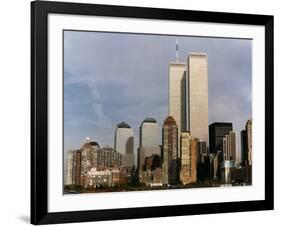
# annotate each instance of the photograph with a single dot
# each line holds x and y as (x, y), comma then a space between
(140, 112)
(146, 112)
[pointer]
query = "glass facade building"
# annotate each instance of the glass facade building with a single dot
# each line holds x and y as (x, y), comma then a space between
(217, 132)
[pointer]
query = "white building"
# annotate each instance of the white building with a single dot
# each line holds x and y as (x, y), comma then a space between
(188, 96)
(197, 70)
(177, 95)
(124, 144)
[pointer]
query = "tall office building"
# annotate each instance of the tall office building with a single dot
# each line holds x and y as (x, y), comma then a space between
(149, 133)
(198, 95)
(217, 132)
(177, 95)
(232, 145)
(229, 146)
(249, 139)
(170, 165)
(188, 89)
(124, 144)
(149, 141)
(244, 146)
(188, 153)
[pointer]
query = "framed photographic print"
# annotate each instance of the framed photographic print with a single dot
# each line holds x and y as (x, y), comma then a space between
(144, 112)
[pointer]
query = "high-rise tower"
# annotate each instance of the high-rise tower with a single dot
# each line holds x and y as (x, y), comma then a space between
(149, 141)
(244, 147)
(170, 165)
(124, 144)
(197, 71)
(177, 94)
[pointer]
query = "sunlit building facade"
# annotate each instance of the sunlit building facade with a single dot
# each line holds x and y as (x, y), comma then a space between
(170, 165)
(188, 158)
(69, 168)
(249, 139)
(197, 70)
(177, 95)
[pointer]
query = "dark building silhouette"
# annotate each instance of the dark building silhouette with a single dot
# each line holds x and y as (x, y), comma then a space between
(244, 147)
(77, 167)
(217, 132)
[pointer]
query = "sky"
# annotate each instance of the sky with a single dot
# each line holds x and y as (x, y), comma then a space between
(114, 77)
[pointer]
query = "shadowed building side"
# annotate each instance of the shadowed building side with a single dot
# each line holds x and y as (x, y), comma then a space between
(148, 141)
(124, 144)
(217, 132)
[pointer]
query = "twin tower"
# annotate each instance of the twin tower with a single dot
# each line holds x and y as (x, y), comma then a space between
(188, 95)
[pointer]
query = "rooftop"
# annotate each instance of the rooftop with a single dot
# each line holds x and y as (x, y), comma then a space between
(197, 54)
(94, 143)
(91, 143)
(221, 124)
(170, 121)
(177, 63)
(152, 120)
(123, 125)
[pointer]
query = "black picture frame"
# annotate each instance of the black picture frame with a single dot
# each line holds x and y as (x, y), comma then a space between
(39, 112)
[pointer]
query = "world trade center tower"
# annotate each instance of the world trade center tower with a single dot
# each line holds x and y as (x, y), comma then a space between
(197, 70)
(188, 95)
(177, 95)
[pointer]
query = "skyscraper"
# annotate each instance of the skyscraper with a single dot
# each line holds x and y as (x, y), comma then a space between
(188, 173)
(188, 89)
(244, 147)
(149, 141)
(232, 145)
(124, 144)
(249, 139)
(217, 131)
(197, 70)
(177, 95)
(170, 165)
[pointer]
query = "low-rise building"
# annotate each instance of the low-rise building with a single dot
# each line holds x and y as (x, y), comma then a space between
(104, 178)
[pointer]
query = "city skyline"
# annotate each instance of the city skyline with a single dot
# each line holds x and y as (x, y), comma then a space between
(87, 108)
